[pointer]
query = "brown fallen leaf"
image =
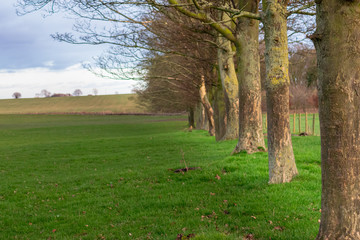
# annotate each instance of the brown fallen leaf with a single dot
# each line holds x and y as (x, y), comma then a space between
(191, 235)
(183, 237)
(217, 177)
(226, 212)
(279, 228)
(249, 237)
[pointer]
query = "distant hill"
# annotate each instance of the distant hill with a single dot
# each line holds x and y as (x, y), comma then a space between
(122, 103)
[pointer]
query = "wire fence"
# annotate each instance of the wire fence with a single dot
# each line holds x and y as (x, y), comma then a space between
(301, 123)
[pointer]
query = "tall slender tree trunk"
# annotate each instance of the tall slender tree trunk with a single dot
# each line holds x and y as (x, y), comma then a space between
(251, 137)
(191, 118)
(207, 106)
(219, 112)
(338, 54)
(225, 55)
(282, 167)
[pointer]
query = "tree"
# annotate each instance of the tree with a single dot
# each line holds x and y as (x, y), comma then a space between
(45, 93)
(77, 92)
(16, 95)
(338, 56)
(208, 108)
(164, 89)
(229, 86)
(251, 137)
(95, 91)
(303, 78)
(302, 66)
(282, 167)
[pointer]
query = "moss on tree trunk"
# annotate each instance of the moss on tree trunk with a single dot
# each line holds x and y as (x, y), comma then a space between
(219, 112)
(229, 83)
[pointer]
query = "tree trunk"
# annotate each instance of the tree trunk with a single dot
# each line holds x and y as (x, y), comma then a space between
(219, 112)
(191, 118)
(206, 120)
(282, 167)
(251, 137)
(229, 81)
(337, 43)
(200, 117)
(208, 109)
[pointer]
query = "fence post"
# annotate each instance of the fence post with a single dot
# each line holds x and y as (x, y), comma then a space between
(294, 118)
(306, 122)
(314, 124)
(299, 122)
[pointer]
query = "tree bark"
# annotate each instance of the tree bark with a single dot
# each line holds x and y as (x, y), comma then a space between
(282, 167)
(200, 117)
(251, 137)
(191, 118)
(338, 53)
(229, 81)
(207, 106)
(219, 112)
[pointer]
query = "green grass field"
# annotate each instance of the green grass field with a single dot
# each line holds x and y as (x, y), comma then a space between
(122, 103)
(110, 177)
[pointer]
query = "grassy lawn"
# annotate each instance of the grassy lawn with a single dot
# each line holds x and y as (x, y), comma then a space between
(110, 177)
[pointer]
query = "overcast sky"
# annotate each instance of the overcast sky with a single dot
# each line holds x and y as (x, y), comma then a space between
(30, 60)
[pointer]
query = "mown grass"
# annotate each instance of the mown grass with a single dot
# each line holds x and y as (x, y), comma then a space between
(122, 103)
(110, 177)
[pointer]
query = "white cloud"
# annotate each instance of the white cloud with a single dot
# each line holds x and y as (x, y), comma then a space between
(31, 81)
(49, 64)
